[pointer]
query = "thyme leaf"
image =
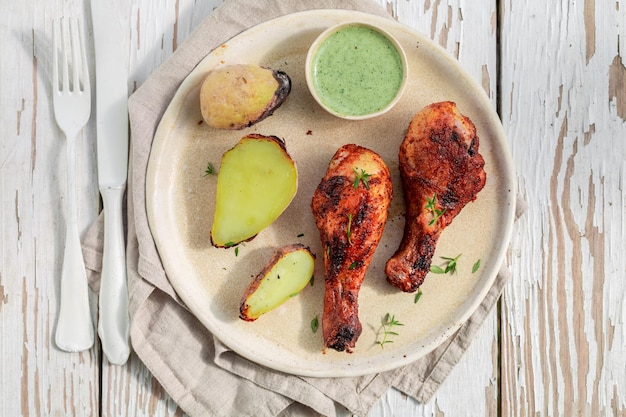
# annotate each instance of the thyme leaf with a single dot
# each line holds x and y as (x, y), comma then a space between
(315, 324)
(476, 266)
(451, 264)
(349, 229)
(417, 296)
(210, 170)
(437, 213)
(436, 269)
(363, 177)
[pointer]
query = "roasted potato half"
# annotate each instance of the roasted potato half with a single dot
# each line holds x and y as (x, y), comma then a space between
(286, 274)
(257, 181)
(238, 96)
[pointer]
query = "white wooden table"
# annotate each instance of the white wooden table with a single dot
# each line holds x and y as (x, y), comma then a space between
(556, 344)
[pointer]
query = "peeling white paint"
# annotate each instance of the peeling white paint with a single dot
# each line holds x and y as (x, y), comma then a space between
(559, 71)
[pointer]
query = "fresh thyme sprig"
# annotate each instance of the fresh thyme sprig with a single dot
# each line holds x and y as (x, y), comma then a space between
(450, 265)
(436, 212)
(349, 229)
(387, 324)
(209, 170)
(363, 177)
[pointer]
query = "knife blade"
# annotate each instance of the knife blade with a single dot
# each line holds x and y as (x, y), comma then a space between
(112, 149)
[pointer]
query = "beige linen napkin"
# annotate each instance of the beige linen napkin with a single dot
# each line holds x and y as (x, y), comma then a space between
(203, 376)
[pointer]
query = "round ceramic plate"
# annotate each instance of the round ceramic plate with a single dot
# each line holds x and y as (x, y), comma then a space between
(210, 281)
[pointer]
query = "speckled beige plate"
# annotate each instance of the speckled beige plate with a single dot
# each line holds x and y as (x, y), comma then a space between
(211, 281)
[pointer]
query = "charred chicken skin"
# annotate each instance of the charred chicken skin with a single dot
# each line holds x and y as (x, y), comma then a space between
(350, 207)
(441, 172)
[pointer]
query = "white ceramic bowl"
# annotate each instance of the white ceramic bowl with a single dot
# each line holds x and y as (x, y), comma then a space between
(356, 70)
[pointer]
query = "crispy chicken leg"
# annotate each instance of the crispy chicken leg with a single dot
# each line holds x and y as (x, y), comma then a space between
(441, 172)
(350, 207)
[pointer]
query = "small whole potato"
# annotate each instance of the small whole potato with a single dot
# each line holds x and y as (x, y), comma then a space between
(238, 96)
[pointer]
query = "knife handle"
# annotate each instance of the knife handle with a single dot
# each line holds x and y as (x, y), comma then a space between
(113, 326)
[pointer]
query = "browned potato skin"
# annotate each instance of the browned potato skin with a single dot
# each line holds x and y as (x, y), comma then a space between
(280, 95)
(278, 255)
(272, 138)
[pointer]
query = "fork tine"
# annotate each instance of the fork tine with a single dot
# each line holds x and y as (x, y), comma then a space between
(68, 43)
(65, 83)
(74, 48)
(76, 55)
(56, 34)
(85, 68)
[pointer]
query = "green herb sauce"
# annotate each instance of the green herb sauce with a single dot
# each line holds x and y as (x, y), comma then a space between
(357, 71)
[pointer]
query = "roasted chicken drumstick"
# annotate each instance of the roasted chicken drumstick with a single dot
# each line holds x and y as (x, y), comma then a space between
(441, 172)
(350, 207)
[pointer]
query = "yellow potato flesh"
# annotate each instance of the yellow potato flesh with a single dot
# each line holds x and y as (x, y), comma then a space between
(284, 280)
(236, 96)
(256, 182)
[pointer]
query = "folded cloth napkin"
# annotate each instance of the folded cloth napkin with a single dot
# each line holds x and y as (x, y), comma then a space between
(202, 375)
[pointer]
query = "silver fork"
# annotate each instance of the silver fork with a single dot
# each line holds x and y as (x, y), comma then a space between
(71, 95)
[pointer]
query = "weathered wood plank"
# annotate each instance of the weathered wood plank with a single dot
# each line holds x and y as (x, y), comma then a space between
(562, 75)
(36, 377)
(468, 33)
(563, 102)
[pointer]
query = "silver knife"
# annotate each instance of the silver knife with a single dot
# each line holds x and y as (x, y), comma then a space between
(112, 147)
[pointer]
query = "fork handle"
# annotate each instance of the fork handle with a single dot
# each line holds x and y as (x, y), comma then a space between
(74, 331)
(113, 326)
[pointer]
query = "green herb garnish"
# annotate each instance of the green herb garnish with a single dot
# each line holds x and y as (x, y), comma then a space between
(476, 266)
(436, 212)
(315, 324)
(388, 322)
(209, 170)
(436, 269)
(363, 177)
(417, 296)
(349, 229)
(450, 266)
